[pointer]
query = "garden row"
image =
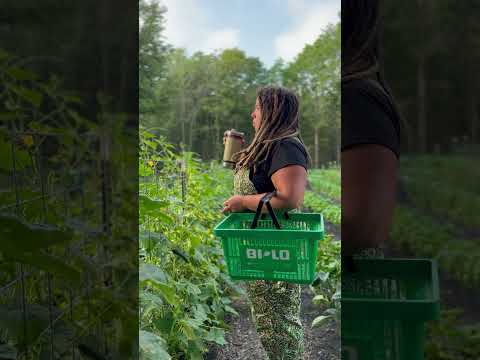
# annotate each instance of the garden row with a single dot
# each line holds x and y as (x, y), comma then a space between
(441, 206)
(327, 286)
(184, 289)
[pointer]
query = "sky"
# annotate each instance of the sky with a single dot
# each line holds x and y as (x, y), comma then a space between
(267, 29)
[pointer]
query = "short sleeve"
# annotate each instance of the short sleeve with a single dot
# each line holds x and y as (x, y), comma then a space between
(368, 119)
(287, 152)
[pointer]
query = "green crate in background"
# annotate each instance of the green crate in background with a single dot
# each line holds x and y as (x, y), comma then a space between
(266, 253)
(385, 305)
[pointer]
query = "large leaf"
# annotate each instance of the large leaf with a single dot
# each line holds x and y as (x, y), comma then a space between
(50, 264)
(150, 205)
(149, 272)
(320, 320)
(20, 74)
(32, 96)
(152, 347)
(216, 335)
(168, 293)
(150, 299)
(19, 237)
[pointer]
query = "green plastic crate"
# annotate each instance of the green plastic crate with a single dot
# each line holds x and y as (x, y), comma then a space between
(267, 253)
(385, 305)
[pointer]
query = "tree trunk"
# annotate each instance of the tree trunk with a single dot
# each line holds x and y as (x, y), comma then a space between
(338, 141)
(316, 148)
(473, 118)
(422, 104)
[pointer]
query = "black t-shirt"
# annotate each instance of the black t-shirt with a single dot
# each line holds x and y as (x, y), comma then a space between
(368, 116)
(283, 153)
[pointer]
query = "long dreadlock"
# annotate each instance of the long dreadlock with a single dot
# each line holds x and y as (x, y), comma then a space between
(280, 120)
(360, 46)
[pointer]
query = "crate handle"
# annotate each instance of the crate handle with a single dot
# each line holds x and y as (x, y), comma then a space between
(265, 200)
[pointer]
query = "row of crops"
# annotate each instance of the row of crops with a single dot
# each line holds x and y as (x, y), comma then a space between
(324, 198)
(438, 218)
(185, 292)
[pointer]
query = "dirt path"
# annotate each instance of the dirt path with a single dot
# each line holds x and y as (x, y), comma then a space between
(243, 343)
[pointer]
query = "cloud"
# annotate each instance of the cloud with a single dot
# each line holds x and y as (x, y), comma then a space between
(309, 20)
(221, 39)
(188, 26)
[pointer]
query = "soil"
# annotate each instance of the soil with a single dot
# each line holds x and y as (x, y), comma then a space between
(243, 343)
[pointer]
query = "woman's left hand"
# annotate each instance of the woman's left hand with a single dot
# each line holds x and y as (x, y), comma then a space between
(234, 204)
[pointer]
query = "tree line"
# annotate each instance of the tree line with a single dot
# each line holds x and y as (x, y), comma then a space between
(193, 99)
(432, 62)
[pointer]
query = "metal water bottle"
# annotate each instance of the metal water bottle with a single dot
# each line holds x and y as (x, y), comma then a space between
(233, 142)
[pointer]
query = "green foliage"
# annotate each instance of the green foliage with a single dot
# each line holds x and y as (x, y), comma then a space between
(184, 289)
(327, 285)
(54, 237)
(439, 187)
(442, 192)
(326, 182)
(444, 187)
(450, 340)
(330, 210)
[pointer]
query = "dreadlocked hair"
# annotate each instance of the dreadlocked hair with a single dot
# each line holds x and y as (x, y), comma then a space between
(280, 120)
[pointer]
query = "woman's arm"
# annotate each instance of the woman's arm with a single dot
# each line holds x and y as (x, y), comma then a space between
(368, 196)
(289, 181)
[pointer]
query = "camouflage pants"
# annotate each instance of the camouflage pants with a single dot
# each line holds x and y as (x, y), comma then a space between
(276, 304)
(276, 308)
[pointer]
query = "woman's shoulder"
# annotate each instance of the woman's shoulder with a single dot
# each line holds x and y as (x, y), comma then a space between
(288, 151)
(288, 145)
(368, 116)
(365, 93)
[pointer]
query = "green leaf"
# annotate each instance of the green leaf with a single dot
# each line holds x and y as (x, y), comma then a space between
(168, 293)
(50, 264)
(32, 96)
(4, 55)
(165, 323)
(8, 352)
(19, 237)
(320, 320)
(20, 74)
(231, 310)
(216, 335)
(153, 347)
(22, 158)
(318, 299)
(152, 273)
(200, 313)
(151, 299)
(154, 208)
(150, 144)
(72, 99)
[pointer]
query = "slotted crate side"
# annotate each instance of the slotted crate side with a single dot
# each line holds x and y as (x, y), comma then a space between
(387, 302)
(301, 265)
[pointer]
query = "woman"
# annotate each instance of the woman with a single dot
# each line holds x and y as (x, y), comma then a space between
(370, 134)
(276, 159)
